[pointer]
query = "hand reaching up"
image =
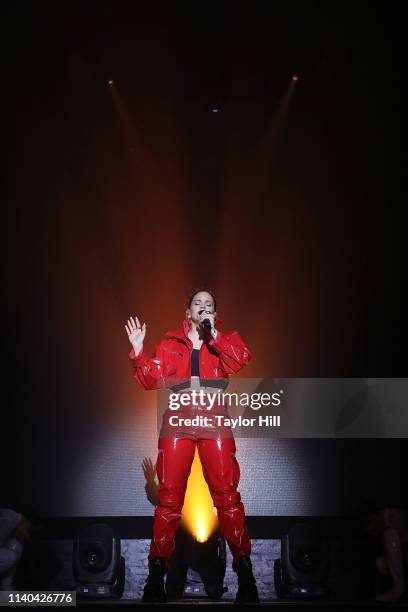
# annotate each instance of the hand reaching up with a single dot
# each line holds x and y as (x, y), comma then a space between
(136, 333)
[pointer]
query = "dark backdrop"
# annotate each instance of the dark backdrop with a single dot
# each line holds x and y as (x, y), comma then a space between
(127, 197)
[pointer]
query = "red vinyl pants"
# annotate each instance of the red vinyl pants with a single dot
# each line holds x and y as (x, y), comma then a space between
(221, 471)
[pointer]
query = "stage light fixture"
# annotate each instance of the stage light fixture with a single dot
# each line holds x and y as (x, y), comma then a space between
(197, 568)
(302, 571)
(97, 563)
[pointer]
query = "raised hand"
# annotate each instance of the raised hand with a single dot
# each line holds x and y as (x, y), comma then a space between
(136, 333)
(149, 470)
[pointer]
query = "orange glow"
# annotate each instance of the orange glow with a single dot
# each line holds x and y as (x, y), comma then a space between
(110, 82)
(198, 511)
(295, 77)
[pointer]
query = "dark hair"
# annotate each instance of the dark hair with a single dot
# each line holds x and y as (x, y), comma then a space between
(192, 296)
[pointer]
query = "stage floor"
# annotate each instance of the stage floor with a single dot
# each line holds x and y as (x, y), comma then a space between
(274, 605)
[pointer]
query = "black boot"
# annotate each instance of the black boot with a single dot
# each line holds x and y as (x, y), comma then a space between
(247, 591)
(154, 588)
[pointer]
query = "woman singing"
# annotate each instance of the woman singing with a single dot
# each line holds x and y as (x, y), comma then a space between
(197, 349)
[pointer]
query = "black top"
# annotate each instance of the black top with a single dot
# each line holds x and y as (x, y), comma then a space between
(195, 371)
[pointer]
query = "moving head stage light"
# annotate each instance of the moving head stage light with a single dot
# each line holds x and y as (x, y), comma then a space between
(302, 572)
(97, 562)
(197, 568)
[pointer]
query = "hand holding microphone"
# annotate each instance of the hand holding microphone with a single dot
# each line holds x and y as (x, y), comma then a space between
(207, 321)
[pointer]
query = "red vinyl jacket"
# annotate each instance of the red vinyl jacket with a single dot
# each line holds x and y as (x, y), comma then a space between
(172, 358)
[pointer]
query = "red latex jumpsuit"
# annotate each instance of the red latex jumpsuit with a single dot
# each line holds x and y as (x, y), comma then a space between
(218, 358)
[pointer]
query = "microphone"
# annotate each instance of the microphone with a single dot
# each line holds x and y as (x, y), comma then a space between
(206, 323)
